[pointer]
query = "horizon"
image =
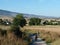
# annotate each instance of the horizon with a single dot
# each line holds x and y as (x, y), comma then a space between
(30, 14)
(37, 7)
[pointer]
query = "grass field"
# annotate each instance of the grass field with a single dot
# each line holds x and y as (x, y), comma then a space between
(50, 33)
(52, 28)
(4, 27)
(57, 42)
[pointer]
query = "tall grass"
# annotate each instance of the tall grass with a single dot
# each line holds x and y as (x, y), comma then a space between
(9, 38)
(49, 37)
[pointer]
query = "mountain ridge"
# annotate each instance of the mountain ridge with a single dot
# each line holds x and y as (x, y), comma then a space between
(10, 13)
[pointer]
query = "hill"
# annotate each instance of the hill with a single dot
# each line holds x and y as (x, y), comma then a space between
(12, 14)
(7, 13)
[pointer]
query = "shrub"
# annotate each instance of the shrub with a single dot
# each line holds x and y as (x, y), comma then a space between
(3, 32)
(19, 20)
(34, 21)
(16, 31)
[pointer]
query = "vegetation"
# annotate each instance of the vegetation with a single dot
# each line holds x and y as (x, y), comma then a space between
(38, 21)
(16, 30)
(46, 22)
(9, 38)
(49, 33)
(15, 36)
(5, 22)
(19, 20)
(48, 36)
(1, 21)
(35, 21)
(57, 42)
(52, 22)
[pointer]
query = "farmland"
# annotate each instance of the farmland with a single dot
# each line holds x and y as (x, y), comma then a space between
(48, 32)
(52, 28)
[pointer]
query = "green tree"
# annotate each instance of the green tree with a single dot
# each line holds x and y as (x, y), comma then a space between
(34, 21)
(50, 22)
(47, 22)
(19, 20)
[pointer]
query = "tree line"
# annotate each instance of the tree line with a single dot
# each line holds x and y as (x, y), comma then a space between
(21, 21)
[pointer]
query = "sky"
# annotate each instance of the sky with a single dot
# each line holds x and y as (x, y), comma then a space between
(37, 7)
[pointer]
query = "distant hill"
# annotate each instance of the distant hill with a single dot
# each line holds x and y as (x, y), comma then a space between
(7, 13)
(12, 14)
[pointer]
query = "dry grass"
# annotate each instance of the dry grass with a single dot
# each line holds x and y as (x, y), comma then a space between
(57, 42)
(11, 39)
(49, 33)
(45, 28)
(52, 28)
(4, 27)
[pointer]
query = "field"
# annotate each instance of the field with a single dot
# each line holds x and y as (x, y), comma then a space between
(48, 32)
(4, 27)
(8, 37)
(56, 42)
(52, 28)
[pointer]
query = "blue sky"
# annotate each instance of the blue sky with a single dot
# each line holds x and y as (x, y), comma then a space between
(38, 7)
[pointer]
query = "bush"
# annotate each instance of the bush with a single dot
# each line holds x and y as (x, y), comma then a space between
(49, 40)
(16, 31)
(34, 21)
(46, 22)
(25, 35)
(19, 20)
(3, 32)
